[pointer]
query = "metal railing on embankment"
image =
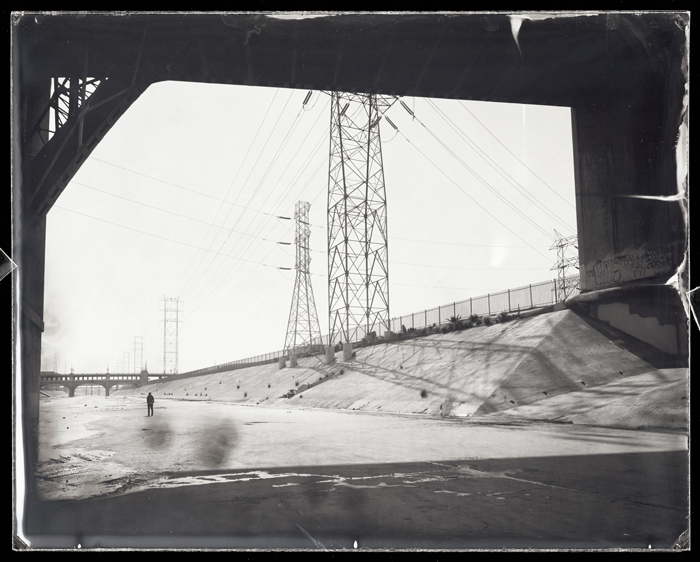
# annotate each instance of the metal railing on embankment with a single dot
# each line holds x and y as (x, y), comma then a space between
(536, 295)
(265, 359)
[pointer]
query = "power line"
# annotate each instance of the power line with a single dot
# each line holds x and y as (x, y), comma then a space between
(514, 156)
(468, 268)
(280, 198)
(172, 212)
(273, 215)
(291, 185)
(484, 156)
(440, 287)
(484, 182)
(460, 244)
(206, 269)
(227, 296)
(202, 194)
(158, 236)
(260, 182)
(229, 190)
(474, 200)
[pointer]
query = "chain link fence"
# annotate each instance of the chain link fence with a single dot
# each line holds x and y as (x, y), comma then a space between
(528, 297)
(536, 295)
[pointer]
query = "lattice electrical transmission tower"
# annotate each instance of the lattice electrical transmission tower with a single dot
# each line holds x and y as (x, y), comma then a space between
(138, 354)
(358, 258)
(303, 327)
(566, 284)
(171, 324)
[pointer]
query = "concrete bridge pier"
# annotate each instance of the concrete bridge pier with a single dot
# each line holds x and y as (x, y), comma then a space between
(330, 355)
(293, 361)
(347, 351)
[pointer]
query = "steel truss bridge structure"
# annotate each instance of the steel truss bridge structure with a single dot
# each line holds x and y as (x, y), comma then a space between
(303, 330)
(358, 252)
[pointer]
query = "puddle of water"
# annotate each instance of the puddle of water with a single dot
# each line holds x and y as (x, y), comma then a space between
(380, 485)
(430, 479)
(452, 492)
(224, 478)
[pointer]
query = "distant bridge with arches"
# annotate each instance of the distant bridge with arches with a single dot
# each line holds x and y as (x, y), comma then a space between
(105, 380)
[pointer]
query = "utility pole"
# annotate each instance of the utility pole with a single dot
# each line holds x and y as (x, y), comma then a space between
(566, 284)
(358, 259)
(171, 322)
(126, 360)
(138, 354)
(303, 326)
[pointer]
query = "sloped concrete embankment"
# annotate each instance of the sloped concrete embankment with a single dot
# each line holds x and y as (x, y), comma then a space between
(656, 399)
(485, 371)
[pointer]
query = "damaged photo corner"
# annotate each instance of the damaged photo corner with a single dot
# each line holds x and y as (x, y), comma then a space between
(190, 372)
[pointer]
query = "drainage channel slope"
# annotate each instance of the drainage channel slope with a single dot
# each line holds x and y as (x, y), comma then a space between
(478, 372)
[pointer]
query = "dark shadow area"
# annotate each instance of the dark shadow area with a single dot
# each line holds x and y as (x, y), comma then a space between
(652, 355)
(626, 500)
(493, 353)
(569, 360)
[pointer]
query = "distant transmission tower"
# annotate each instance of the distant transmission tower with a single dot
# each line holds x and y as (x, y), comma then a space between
(126, 360)
(565, 284)
(171, 323)
(358, 259)
(138, 354)
(303, 327)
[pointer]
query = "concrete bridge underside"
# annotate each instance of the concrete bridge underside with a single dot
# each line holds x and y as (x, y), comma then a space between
(70, 387)
(623, 75)
(106, 381)
(71, 382)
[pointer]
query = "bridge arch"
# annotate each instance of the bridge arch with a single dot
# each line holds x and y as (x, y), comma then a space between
(105, 380)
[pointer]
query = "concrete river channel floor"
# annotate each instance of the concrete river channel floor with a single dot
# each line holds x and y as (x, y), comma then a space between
(365, 458)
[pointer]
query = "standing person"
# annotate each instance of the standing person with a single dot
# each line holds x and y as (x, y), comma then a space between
(149, 401)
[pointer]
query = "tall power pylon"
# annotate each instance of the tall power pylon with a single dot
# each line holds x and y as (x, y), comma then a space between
(358, 257)
(303, 327)
(138, 354)
(171, 344)
(126, 360)
(566, 284)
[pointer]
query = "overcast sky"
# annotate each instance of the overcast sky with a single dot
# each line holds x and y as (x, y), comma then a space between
(180, 199)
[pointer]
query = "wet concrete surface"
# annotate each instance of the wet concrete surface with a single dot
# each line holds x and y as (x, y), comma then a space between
(218, 475)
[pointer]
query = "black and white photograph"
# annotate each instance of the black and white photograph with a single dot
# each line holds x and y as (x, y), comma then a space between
(350, 281)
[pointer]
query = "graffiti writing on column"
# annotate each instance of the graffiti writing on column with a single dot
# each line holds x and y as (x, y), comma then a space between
(631, 266)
